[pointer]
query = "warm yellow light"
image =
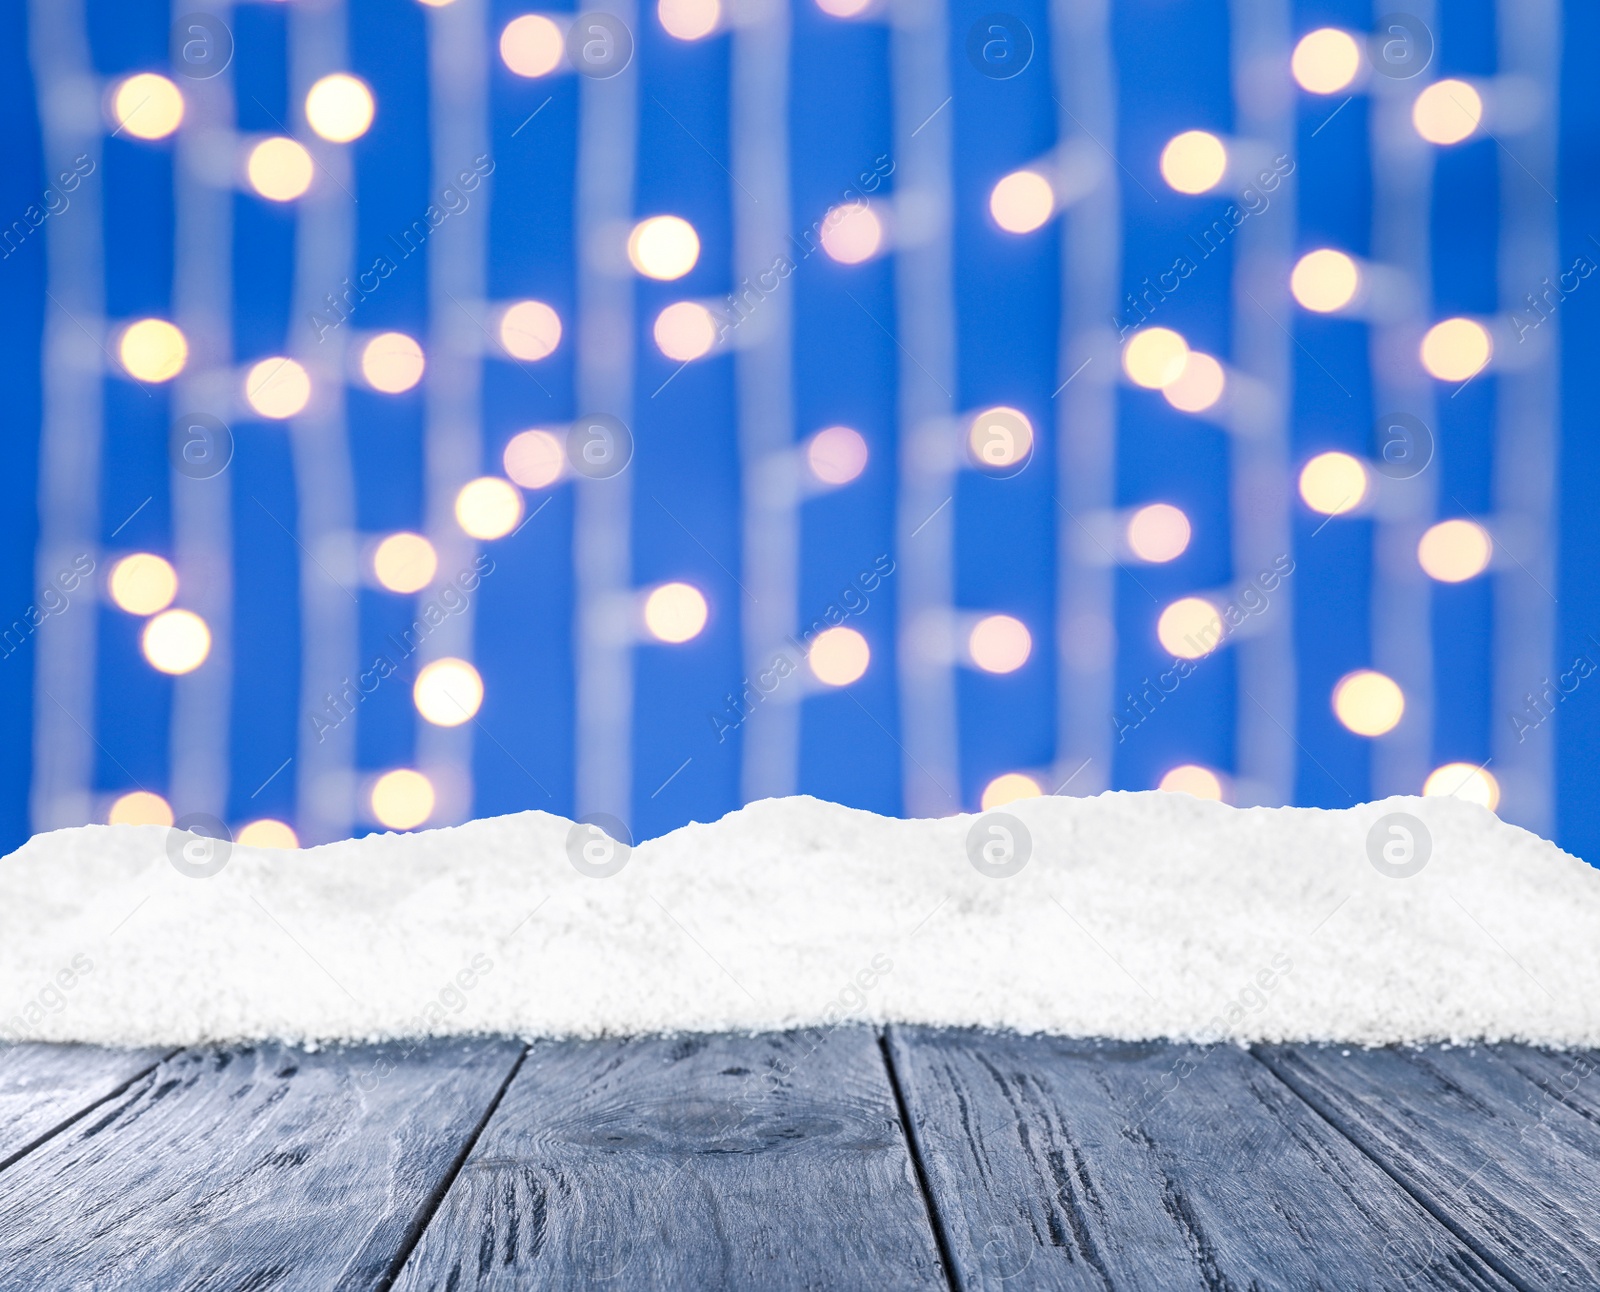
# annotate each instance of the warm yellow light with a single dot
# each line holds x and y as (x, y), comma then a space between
(1158, 533)
(1000, 644)
(147, 106)
(153, 350)
(836, 455)
(534, 459)
(402, 799)
(448, 692)
(488, 507)
(339, 108)
(685, 331)
(1194, 780)
(1447, 112)
(405, 562)
(176, 641)
(143, 584)
(277, 387)
(267, 833)
(140, 807)
(1189, 628)
(1368, 703)
(392, 362)
(689, 19)
(1198, 386)
(1463, 781)
(1022, 201)
(839, 656)
(1324, 280)
(1326, 60)
(663, 247)
(1155, 357)
(1456, 349)
(531, 45)
(280, 169)
(1000, 437)
(1194, 162)
(1008, 788)
(843, 8)
(530, 330)
(1333, 483)
(675, 612)
(851, 233)
(1455, 550)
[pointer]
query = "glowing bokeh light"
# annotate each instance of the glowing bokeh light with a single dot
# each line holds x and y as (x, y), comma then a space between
(836, 455)
(1464, 781)
(1368, 703)
(675, 612)
(530, 330)
(147, 106)
(1000, 644)
(140, 807)
(1194, 780)
(277, 387)
(1447, 112)
(402, 799)
(448, 692)
(405, 562)
(153, 350)
(839, 656)
(176, 641)
(851, 233)
(1158, 533)
(1455, 550)
(1325, 280)
(280, 169)
(1194, 162)
(534, 459)
(1325, 60)
(1333, 483)
(339, 108)
(1009, 787)
(684, 331)
(663, 247)
(143, 583)
(489, 507)
(1199, 386)
(1456, 349)
(267, 833)
(1155, 357)
(392, 362)
(1022, 202)
(532, 45)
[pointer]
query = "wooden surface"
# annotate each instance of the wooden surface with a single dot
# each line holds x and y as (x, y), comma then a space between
(784, 1161)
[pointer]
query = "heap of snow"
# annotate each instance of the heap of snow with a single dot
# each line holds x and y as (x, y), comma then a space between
(1135, 916)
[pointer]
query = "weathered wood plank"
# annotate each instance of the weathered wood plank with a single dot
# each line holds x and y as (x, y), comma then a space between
(257, 1167)
(43, 1087)
(1500, 1142)
(1076, 1164)
(704, 1162)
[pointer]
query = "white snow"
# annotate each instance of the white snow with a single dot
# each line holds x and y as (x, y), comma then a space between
(1136, 916)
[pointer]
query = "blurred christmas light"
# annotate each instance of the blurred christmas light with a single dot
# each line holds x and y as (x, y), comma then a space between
(1369, 703)
(1194, 162)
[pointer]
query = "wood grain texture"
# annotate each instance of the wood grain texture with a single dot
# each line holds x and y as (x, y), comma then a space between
(1502, 1142)
(702, 1162)
(43, 1087)
(1103, 1165)
(251, 1168)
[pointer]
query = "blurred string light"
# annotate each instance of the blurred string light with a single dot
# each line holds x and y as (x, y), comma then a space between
(279, 169)
(684, 331)
(531, 45)
(839, 656)
(1326, 60)
(140, 807)
(836, 455)
(1190, 628)
(1199, 386)
(488, 507)
(1000, 644)
(1158, 533)
(1368, 703)
(663, 247)
(1009, 788)
(1022, 202)
(1194, 780)
(1463, 781)
(339, 108)
(534, 459)
(1000, 437)
(1447, 112)
(176, 641)
(675, 613)
(405, 562)
(277, 387)
(844, 8)
(1324, 280)
(392, 362)
(1456, 349)
(1194, 162)
(448, 692)
(852, 233)
(402, 799)
(1155, 357)
(267, 833)
(143, 583)
(689, 19)
(530, 330)
(1454, 550)
(1333, 483)
(153, 350)
(147, 106)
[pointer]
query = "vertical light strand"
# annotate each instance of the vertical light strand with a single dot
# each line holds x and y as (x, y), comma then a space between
(602, 524)
(925, 322)
(458, 76)
(1402, 602)
(202, 512)
(1086, 401)
(324, 482)
(1260, 472)
(769, 472)
(72, 423)
(1526, 432)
